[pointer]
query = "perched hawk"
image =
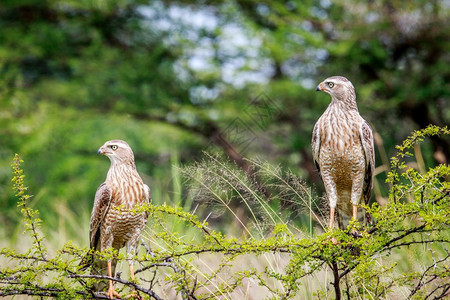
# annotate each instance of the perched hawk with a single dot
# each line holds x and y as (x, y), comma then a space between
(112, 222)
(342, 148)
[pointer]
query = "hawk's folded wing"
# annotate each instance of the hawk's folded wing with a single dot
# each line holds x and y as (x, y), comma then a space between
(315, 143)
(101, 206)
(367, 143)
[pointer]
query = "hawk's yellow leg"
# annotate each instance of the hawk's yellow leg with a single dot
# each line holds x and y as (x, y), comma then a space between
(111, 292)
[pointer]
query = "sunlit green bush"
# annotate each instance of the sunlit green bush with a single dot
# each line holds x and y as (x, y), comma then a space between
(202, 263)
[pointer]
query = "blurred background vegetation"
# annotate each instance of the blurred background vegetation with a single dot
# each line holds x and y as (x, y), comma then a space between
(175, 78)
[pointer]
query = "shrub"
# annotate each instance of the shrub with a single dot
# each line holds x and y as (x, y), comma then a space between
(202, 263)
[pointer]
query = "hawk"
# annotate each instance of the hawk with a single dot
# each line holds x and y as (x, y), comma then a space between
(343, 152)
(113, 224)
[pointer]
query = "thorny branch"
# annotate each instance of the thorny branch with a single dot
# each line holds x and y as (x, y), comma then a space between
(122, 281)
(420, 282)
(313, 253)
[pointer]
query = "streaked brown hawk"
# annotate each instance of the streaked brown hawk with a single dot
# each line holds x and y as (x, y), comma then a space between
(343, 151)
(113, 223)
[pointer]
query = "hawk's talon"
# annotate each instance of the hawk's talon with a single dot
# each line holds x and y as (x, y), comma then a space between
(112, 294)
(134, 295)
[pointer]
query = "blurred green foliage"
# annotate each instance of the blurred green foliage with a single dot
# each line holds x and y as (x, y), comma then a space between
(170, 77)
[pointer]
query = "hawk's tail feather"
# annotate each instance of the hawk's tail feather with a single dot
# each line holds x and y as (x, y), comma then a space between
(99, 267)
(369, 219)
(343, 218)
(86, 261)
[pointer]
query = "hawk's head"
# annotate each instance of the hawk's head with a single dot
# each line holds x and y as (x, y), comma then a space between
(117, 151)
(338, 87)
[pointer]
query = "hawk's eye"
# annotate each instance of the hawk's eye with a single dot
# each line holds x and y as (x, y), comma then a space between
(330, 84)
(114, 147)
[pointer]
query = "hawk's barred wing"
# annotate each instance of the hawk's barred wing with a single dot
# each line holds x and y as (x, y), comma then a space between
(101, 206)
(315, 143)
(367, 143)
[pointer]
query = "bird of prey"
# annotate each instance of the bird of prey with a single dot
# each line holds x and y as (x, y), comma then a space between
(113, 223)
(343, 152)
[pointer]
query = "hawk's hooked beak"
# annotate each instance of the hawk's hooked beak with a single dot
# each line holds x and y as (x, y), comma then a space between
(318, 88)
(100, 151)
